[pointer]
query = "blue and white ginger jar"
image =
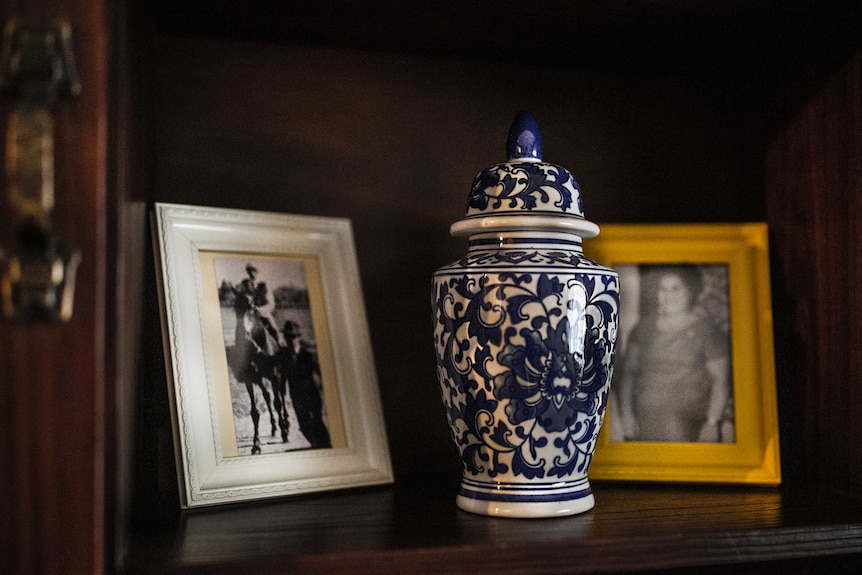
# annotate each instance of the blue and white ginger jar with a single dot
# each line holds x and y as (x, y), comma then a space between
(525, 332)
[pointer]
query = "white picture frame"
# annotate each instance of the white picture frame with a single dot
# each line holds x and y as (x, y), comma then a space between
(208, 261)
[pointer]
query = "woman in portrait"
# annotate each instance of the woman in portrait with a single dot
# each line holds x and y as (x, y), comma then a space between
(676, 368)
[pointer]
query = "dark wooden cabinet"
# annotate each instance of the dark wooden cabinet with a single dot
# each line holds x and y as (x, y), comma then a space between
(665, 112)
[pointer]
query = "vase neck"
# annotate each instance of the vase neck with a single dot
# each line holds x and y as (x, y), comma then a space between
(523, 240)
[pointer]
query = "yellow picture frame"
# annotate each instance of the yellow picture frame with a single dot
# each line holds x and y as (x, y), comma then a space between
(753, 456)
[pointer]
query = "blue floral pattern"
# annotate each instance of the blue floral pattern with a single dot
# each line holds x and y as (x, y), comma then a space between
(497, 258)
(524, 361)
(531, 187)
(541, 380)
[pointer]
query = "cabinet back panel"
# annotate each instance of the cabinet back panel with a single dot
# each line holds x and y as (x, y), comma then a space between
(393, 142)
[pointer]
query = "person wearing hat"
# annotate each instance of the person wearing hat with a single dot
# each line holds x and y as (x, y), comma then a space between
(251, 296)
(303, 382)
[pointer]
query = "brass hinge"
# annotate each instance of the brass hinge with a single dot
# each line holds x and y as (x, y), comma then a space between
(37, 270)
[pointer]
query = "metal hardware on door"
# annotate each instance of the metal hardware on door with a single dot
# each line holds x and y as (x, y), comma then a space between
(37, 270)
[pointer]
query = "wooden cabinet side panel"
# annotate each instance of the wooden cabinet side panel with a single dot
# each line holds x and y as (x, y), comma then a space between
(814, 207)
(52, 377)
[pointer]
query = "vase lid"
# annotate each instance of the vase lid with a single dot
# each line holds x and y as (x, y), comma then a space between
(524, 193)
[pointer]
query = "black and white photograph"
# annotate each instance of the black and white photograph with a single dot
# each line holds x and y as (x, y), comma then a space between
(693, 396)
(673, 378)
(275, 383)
(271, 375)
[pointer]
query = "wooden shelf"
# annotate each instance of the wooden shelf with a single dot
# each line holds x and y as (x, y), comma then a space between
(414, 526)
(666, 111)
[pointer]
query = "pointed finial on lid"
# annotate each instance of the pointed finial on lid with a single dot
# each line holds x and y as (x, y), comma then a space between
(525, 140)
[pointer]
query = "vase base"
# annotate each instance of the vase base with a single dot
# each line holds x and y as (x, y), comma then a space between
(509, 501)
(526, 510)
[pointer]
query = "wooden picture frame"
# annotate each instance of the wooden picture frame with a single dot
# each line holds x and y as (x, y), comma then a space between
(271, 375)
(659, 426)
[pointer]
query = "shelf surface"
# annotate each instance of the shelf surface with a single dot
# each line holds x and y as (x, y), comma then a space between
(415, 527)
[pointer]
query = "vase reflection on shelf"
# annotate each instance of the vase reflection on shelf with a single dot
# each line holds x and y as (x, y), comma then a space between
(525, 331)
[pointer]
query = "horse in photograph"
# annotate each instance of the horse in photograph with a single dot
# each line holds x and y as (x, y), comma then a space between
(253, 359)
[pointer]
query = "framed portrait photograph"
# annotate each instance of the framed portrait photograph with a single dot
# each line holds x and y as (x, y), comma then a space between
(270, 368)
(693, 395)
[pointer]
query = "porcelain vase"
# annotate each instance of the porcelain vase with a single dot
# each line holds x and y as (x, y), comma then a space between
(525, 330)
